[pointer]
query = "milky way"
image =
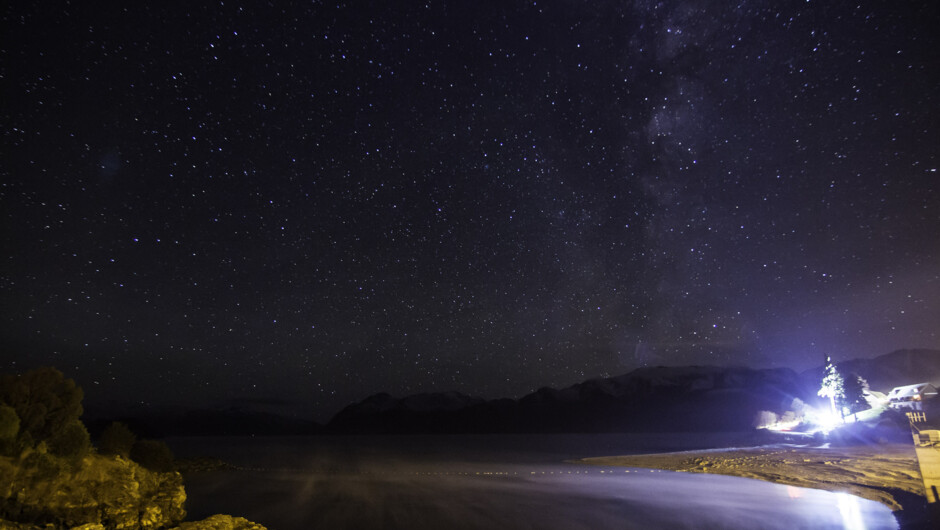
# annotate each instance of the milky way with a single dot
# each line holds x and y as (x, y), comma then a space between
(307, 204)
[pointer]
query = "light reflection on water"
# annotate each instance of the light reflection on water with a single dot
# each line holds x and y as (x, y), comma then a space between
(850, 511)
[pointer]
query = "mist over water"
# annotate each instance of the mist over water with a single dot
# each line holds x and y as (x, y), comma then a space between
(490, 482)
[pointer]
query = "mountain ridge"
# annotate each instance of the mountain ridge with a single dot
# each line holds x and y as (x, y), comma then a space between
(693, 398)
(652, 399)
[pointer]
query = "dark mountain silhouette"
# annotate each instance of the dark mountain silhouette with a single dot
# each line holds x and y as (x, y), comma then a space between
(898, 368)
(660, 399)
(382, 413)
(697, 398)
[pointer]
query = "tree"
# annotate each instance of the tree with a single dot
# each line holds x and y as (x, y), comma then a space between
(45, 401)
(153, 455)
(9, 429)
(833, 385)
(117, 439)
(72, 442)
(855, 388)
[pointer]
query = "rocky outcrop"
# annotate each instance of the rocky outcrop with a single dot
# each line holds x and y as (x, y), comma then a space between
(113, 492)
(11, 525)
(98, 493)
(216, 522)
(221, 522)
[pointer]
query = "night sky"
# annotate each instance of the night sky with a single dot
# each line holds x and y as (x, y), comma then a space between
(301, 205)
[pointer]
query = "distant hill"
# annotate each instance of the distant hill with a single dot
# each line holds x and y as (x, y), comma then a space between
(697, 398)
(656, 399)
(382, 413)
(204, 422)
(660, 399)
(898, 368)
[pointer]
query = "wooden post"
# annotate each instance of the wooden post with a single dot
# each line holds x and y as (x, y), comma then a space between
(927, 446)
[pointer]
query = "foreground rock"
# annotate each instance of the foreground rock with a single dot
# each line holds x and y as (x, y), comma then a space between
(221, 522)
(110, 491)
(98, 493)
(886, 473)
(216, 522)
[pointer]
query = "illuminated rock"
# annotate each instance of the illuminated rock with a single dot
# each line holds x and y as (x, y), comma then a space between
(110, 491)
(221, 522)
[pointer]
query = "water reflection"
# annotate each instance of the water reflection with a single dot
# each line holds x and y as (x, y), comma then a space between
(450, 483)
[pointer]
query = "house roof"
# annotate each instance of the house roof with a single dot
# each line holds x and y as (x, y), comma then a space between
(912, 390)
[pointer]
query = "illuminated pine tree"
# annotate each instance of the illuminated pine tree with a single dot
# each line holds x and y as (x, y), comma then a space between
(833, 385)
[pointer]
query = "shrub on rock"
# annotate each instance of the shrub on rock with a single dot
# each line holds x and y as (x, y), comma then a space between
(9, 428)
(72, 442)
(117, 439)
(153, 455)
(45, 401)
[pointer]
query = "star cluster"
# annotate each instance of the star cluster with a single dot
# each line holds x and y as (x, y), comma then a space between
(308, 203)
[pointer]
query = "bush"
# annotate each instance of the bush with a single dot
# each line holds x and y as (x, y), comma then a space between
(45, 401)
(41, 465)
(9, 428)
(72, 442)
(117, 439)
(153, 455)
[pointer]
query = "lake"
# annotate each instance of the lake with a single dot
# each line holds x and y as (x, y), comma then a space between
(495, 481)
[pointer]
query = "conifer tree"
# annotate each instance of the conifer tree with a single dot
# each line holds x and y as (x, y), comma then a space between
(855, 388)
(833, 385)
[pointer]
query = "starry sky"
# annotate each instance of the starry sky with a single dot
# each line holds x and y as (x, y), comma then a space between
(298, 204)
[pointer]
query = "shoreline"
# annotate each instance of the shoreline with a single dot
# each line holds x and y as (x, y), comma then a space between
(887, 473)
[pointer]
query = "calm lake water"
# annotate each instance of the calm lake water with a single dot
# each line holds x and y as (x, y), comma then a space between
(495, 481)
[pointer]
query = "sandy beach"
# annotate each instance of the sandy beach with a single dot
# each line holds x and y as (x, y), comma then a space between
(886, 473)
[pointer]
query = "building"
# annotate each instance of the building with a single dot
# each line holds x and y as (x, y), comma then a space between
(911, 397)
